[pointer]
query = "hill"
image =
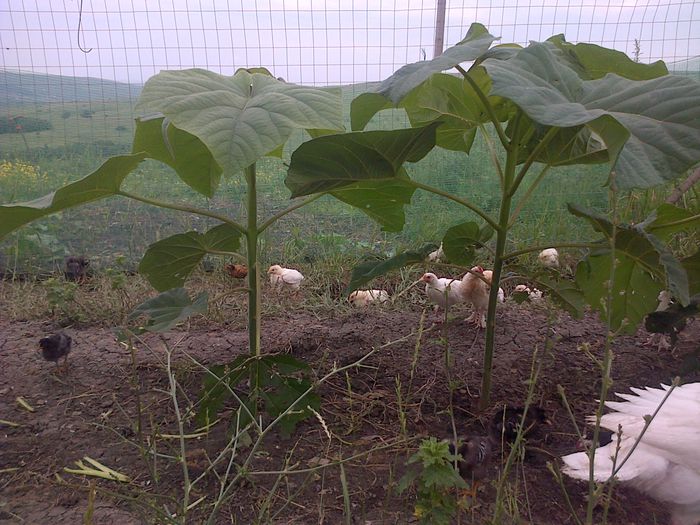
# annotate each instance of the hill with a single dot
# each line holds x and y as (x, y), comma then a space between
(22, 87)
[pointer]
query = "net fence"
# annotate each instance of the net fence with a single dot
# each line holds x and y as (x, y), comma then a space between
(72, 70)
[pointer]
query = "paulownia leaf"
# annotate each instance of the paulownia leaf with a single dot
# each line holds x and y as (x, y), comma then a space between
(366, 271)
(651, 127)
(392, 90)
(105, 181)
(281, 380)
(168, 262)
(239, 118)
(461, 242)
(180, 150)
(169, 308)
(667, 220)
(643, 265)
(564, 293)
(335, 161)
(598, 61)
(382, 200)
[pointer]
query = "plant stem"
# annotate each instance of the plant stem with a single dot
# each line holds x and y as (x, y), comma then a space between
(501, 238)
(606, 368)
(528, 194)
(253, 270)
(265, 225)
(487, 105)
(473, 207)
(531, 158)
(181, 207)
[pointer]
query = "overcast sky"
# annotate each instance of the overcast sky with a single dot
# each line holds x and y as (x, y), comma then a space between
(313, 41)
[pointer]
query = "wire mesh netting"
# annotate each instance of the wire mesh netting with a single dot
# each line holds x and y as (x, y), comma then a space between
(72, 71)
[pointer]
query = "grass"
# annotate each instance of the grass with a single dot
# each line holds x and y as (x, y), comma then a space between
(77, 144)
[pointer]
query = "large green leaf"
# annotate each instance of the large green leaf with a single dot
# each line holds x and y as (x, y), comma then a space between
(450, 100)
(366, 271)
(239, 118)
(168, 262)
(397, 86)
(657, 120)
(334, 161)
(364, 107)
(169, 308)
(598, 61)
(382, 200)
(461, 242)
(667, 220)
(180, 150)
(105, 181)
(282, 382)
(392, 90)
(643, 267)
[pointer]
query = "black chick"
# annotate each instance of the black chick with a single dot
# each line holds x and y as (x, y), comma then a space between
(55, 347)
(672, 320)
(76, 268)
(473, 465)
(505, 422)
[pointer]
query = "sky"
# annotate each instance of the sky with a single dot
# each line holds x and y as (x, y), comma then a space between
(312, 41)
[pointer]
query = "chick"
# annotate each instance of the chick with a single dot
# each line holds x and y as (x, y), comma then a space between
(237, 271)
(76, 268)
(549, 258)
(285, 277)
(533, 294)
(437, 255)
(56, 346)
(364, 297)
(505, 423)
(475, 456)
(443, 292)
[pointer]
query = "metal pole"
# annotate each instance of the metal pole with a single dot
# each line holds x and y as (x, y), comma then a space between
(439, 28)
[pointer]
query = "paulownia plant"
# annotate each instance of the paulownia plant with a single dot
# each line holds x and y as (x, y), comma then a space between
(548, 105)
(204, 126)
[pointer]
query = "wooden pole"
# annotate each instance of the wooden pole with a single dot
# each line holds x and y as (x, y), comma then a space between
(439, 28)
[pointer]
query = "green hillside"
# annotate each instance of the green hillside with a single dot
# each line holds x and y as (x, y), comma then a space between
(21, 87)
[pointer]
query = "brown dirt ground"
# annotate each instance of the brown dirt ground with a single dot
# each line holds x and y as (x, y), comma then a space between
(90, 411)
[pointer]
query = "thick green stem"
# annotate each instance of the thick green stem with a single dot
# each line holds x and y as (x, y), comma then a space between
(253, 269)
(501, 238)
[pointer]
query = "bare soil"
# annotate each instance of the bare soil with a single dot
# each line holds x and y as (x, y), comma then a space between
(90, 410)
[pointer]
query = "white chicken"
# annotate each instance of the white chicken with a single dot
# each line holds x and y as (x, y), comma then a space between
(665, 464)
(285, 277)
(549, 258)
(437, 255)
(364, 297)
(534, 294)
(476, 291)
(442, 291)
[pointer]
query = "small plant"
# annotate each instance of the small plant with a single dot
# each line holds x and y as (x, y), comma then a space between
(436, 482)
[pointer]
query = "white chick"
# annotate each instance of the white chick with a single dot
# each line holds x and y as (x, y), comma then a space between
(476, 291)
(549, 258)
(442, 291)
(284, 277)
(534, 294)
(437, 255)
(364, 297)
